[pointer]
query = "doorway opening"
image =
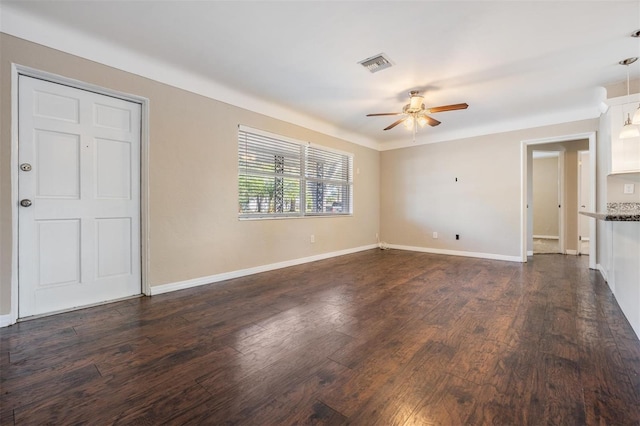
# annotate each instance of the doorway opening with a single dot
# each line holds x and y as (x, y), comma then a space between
(568, 147)
(547, 224)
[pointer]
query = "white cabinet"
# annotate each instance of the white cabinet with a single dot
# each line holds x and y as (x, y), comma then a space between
(624, 275)
(625, 153)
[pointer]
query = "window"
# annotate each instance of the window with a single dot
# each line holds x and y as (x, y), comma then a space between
(280, 177)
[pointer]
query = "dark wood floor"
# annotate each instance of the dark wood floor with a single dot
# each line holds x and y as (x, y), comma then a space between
(378, 337)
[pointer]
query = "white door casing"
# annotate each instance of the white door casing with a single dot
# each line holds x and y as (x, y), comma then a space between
(583, 196)
(79, 241)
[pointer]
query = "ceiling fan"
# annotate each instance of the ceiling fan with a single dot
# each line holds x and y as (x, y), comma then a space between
(415, 113)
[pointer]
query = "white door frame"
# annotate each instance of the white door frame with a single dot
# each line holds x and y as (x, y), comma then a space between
(561, 205)
(581, 217)
(524, 144)
(17, 70)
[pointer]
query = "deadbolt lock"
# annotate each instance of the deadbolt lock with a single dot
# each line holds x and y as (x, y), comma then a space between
(25, 167)
(25, 203)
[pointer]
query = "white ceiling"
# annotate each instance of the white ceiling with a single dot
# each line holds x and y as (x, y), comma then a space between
(518, 64)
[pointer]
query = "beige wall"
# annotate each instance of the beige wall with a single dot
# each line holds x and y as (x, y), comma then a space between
(194, 228)
(545, 197)
(615, 185)
(419, 193)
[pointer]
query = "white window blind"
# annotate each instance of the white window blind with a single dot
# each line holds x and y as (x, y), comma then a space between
(270, 175)
(328, 181)
(278, 177)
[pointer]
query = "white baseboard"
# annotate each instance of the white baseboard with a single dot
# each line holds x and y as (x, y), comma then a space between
(571, 252)
(6, 320)
(602, 271)
(585, 239)
(457, 253)
(529, 252)
(547, 237)
(181, 285)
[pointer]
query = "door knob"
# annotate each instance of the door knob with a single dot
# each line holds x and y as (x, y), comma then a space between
(25, 203)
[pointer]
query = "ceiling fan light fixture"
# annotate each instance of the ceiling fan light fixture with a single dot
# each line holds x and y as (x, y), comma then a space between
(409, 122)
(414, 113)
(415, 102)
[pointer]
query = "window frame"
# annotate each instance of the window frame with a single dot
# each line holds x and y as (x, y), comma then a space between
(305, 147)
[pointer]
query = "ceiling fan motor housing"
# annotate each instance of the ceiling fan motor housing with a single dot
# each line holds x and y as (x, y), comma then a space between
(415, 103)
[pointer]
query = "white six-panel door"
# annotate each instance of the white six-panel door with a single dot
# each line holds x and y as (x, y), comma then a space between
(79, 156)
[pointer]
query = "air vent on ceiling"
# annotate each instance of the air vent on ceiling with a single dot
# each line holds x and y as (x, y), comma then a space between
(376, 63)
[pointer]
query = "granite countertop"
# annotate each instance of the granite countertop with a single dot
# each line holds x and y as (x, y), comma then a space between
(618, 212)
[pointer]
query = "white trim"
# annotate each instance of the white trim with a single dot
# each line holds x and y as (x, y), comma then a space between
(51, 34)
(145, 188)
(632, 98)
(593, 249)
(6, 320)
(16, 70)
(547, 237)
(603, 272)
(571, 252)
(510, 125)
(13, 314)
(584, 239)
(545, 154)
(529, 252)
(561, 203)
(491, 256)
(22, 24)
(181, 285)
(524, 204)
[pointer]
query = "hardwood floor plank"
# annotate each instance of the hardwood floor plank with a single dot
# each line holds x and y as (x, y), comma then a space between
(44, 390)
(298, 404)
(383, 364)
(107, 398)
(372, 338)
(240, 400)
(564, 398)
(605, 380)
(451, 403)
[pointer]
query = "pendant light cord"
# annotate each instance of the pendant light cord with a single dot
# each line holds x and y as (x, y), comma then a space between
(627, 80)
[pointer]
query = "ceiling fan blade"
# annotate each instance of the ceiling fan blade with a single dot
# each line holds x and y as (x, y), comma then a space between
(394, 124)
(384, 113)
(432, 121)
(447, 108)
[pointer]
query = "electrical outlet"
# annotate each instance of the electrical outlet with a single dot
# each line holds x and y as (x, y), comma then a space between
(313, 238)
(629, 188)
(435, 235)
